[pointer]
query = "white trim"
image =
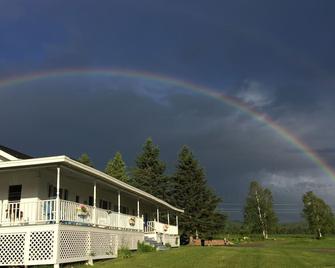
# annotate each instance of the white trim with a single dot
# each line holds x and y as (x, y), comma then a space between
(92, 171)
(94, 202)
(7, 156)
(57, 196)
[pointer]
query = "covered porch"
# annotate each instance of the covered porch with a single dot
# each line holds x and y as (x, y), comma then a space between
(52, 194)
(54, 210)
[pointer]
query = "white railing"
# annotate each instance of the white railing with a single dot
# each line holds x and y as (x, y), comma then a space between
(108, 218)
(149, 227)
(72, 212)
(130, 222)
(159, 227)
(28, 212)
(44, 211)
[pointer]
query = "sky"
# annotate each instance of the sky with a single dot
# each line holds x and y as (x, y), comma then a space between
(275, 56)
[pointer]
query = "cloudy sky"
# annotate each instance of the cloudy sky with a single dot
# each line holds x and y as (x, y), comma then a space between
(276, 56)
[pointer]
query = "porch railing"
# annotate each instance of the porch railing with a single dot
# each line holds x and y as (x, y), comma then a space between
(28, 212)
(44, 211)
(159, 227)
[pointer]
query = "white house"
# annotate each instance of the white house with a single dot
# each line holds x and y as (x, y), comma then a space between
(55, 210)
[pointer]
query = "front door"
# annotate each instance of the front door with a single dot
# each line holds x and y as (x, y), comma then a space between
(14, 197)
(14, 193)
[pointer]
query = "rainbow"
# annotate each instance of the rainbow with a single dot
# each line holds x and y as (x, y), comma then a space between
(187, 85)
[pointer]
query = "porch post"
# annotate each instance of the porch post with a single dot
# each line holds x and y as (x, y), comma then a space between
(176, 220)
(0, 212)
(94, 201)
(138, 214)
(57, 196)
(118, 207)
(168, 218)
(157, 214)
(138, 208)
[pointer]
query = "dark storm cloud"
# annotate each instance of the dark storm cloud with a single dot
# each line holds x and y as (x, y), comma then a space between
(72, 116)
(275, 56)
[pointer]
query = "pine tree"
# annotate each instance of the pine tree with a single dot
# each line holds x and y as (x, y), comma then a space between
(189, 190)
(116, 168)
(148, 175)
(259, 216)
(318, 214)
(85, 159)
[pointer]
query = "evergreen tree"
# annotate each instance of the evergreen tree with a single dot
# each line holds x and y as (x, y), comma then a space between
(259, 216)
(189, 190)
(85, 159)
(318, 214)
(116, 168)
(148, 175)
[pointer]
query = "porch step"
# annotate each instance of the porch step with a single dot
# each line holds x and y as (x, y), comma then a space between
(154, 243)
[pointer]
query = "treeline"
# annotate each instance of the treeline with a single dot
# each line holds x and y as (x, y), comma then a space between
(260, 217)
(186, 188)
(298, 228)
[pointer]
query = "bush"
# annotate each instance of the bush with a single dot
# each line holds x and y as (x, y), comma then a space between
(124, 253)
(142, 247)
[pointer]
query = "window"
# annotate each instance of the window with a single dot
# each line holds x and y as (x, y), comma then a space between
(90, 200)
(14, 192)
(124, 210)
(52, 191)
(66, 194)
(105, 204)
(77, 199)
(63, 193)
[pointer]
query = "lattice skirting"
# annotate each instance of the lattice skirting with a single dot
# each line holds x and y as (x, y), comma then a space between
(80, 243)
(129, 239)
(173, 240)
(51, 243)
(27, 246)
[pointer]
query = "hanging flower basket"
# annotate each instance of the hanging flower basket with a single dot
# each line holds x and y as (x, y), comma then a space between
(82, 211)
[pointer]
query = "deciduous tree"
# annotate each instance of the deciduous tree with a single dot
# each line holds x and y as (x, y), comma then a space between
(318, 214)
(259, 216)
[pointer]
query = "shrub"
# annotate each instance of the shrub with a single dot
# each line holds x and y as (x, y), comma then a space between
(142, 247)
(124, 253)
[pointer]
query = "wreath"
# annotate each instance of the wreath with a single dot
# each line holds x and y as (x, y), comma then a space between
(132, 221)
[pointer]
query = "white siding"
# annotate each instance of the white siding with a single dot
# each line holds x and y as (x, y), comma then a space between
(28, 179)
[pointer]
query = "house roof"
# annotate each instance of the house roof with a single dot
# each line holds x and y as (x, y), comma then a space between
(68, 162)
(14, 153)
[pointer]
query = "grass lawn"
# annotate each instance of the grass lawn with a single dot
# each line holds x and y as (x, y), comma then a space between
(282, 252)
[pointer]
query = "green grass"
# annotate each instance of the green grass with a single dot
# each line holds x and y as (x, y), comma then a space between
(281, 252)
